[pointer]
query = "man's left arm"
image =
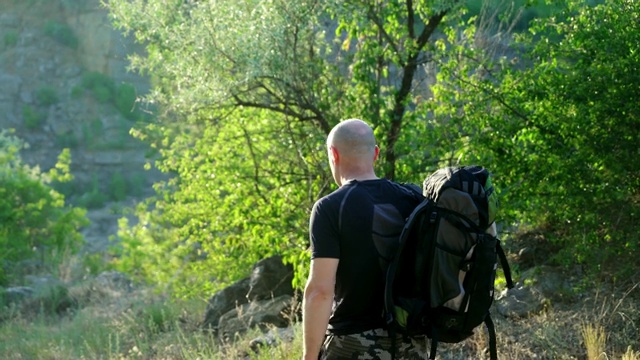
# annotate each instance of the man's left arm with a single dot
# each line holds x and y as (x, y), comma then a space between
(317, 304)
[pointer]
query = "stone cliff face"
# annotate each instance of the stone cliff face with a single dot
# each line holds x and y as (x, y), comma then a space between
(64, 83)
(49, 52)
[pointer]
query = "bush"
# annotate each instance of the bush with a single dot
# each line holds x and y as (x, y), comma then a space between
(102, 87)
(91, 132)
(47, 96)
(125, 100)
(32, 118)
(61, 33)
(10, 38)
(67, 140)
(34, 220)
(118, 187)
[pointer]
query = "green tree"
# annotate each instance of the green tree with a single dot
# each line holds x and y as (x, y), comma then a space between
(249, 90)
(34, 221)
(558, 121)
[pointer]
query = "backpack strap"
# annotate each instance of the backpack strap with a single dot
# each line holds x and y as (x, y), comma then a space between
(392, 333)
(493, 350)
(505, 265)
(434, 343)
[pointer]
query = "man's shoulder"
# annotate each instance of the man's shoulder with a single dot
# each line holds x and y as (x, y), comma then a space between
(411, 190)
(332, 197)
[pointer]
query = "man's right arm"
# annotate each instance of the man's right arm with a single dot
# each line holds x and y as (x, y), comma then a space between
(317, 304)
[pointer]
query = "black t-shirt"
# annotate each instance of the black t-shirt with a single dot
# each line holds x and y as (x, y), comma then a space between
(360, 224)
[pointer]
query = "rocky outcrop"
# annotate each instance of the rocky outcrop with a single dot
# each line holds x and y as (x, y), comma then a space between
(40, 68)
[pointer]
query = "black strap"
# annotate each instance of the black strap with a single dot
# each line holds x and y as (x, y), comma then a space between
(392, 334)
(493, 350)
(434, 343)
(505, 265)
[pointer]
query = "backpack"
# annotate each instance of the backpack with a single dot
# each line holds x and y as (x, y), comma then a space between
(440, 282)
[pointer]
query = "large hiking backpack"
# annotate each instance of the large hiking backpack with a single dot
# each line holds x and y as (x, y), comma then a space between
(441, 280)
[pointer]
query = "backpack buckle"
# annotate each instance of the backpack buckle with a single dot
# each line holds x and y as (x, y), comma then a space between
(466, 266)
(433, 217)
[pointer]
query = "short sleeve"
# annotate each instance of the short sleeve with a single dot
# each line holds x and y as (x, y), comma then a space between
(324, 233)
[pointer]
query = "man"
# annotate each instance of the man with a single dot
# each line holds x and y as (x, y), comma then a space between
(354, 231)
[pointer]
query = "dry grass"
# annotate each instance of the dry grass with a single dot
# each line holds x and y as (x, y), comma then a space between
(603, 324)
(595, 341)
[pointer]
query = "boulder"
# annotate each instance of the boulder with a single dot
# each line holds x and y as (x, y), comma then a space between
(519, 302)
(272, 338)
(224, 301)
(16, 295)
(270, 278)
(550, 281)
(263, 314)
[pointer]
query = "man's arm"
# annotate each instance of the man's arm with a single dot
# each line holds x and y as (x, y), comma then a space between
(317, 304)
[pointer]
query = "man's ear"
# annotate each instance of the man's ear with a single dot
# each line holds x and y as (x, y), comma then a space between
(333, 152)
(376, 152)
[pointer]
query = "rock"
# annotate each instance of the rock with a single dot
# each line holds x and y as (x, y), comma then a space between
(224, 301)
(115, 281)
(519, 302)
(10, 86)
(16, 295)
(550, 281)
(263, 314)
(272, 338)
(49, 295)
(270, 278)
(42, 282)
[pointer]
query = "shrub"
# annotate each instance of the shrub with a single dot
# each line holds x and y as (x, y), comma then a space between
(77, 91)
(118, 187)
(34, 220)
(10, 38)
(125, 100)
(92, 200)
(102, 87)
(32, 118)
(67, 140)
(47, 96)
(61, 33)
(91, 131)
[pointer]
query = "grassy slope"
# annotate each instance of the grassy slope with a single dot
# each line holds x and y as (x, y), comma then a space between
(140, 325)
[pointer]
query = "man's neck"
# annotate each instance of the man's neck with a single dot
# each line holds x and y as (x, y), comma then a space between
(360, 177)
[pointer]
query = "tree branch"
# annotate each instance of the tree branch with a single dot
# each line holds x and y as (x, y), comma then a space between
(400, 101)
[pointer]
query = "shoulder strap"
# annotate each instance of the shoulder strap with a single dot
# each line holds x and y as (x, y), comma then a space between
(505, 265)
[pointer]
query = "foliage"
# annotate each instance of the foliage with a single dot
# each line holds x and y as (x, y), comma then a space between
(46, 96)
(92, 130)
(106, 91)
(101, 86)
(32, 118)
(10, 38)
(118, 186)
(34, 221)
(125, 99)
(183, 245)
(248, 91)
(257, 87)
(62, 33)
(67, 139)
(558, 122)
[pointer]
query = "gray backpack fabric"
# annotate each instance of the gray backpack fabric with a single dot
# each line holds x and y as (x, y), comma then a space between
(441, 280)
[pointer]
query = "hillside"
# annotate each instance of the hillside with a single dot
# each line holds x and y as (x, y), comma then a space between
(66, 85)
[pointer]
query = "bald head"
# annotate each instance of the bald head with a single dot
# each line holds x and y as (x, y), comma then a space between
(353, 138)
(352, 150)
